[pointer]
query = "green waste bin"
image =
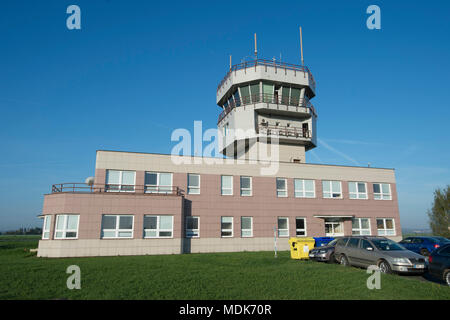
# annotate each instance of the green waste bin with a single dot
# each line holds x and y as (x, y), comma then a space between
(300, 247)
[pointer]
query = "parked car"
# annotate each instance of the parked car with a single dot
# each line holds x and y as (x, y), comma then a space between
(324, 253)
(423, 245)
(439, 263)
(388, 255)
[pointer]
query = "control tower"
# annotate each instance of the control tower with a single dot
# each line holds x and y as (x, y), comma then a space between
(272, 100)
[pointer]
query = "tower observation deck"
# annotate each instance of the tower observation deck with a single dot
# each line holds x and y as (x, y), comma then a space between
(268, 99)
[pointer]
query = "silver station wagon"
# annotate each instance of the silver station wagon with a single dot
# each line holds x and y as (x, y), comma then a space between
(389, 256)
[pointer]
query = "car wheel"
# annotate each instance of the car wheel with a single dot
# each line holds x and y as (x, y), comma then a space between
(385, 267)
(344, 261)
(447, 277)
(424, 252)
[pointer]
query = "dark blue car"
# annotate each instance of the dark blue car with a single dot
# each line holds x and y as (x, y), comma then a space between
(424, 245)
(439, 263)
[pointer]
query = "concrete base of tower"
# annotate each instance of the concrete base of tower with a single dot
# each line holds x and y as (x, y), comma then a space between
(257, 150)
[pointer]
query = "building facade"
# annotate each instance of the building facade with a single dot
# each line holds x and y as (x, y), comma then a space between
(143, 203)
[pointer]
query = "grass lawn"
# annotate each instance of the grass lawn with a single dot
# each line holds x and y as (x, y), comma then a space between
(244, 275)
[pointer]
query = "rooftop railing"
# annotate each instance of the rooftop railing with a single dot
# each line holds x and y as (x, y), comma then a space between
(115, 188)
(267, 98)
(270, 64)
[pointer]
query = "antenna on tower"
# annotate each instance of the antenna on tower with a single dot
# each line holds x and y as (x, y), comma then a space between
(301, 46)
(230, 62)
(256, 49)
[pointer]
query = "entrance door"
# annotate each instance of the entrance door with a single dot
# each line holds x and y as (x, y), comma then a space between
(334, 228)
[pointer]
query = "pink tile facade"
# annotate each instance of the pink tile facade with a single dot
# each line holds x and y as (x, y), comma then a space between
(264, 206)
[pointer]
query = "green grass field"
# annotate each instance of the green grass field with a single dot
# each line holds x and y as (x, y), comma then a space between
(244, 275)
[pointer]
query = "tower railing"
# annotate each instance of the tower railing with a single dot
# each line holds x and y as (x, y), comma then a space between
(269, 64)
(294, 132)
(267, 98)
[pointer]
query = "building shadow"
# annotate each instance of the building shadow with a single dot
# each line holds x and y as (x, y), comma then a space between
(185, 241)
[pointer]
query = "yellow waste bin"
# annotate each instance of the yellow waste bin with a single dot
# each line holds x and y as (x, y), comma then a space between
(300, 247)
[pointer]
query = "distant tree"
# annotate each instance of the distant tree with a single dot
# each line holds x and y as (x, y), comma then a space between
(439, 214)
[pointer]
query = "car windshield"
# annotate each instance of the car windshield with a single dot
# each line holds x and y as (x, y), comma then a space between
(332, 242)
(387, 245)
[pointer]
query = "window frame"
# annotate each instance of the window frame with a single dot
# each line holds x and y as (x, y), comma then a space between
(303, 188)
(120, 185)
(357, 193)
(331, 192)
(48, 218)
(222, 188)
(246, 189)
(158, 186)
(384, 227)
(227, 230)
(189, 188)
(360, 229)
(158, 228)
(65, 230)
(297, 229)
(381, 194)
(281, 190)
(251, 227)
(117, 230)
(192, 230)
(278, 227)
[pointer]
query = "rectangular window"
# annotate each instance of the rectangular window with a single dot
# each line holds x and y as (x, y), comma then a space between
(117, 226)
(226, 227)
(66, 226)
(46, 227)
(192, 227)
(246, 227)
(158, 226)
(193, 183)
(283, 227)
(357, 190)
(304, 188)
(246, 186)
(331, 189)
(295, 96)
(254, 91)
(268, 92)
(120, 181)
(227, 185)
(281, 187)
(361, 227)
(245, 94)
(300, 227)
(158, 182)
(382, 191)
(385, 227)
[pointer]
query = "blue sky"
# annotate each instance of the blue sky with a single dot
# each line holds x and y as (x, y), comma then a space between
(137, 70)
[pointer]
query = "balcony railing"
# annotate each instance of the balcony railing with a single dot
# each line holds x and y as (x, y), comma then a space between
(270, 64)
(267, 98)
(114, 188)
(264, 128)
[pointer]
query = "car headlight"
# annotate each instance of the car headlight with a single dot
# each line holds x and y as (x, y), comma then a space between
(401, 260)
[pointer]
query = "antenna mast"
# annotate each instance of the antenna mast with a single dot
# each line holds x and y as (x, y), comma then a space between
(256, 49)
(301, 46)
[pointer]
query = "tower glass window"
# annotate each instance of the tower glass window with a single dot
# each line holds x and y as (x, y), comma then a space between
(245, 93)
(295, 96)
(268, 92)
(254, 91)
